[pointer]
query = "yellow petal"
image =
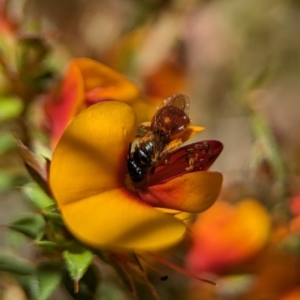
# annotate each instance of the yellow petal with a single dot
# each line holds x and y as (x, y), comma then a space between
(116, 218)
(91, 156)
(87, 177)
(188, 133)
(106, 83)
(191, 192)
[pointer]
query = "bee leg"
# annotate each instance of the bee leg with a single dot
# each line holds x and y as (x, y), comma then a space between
(145, 126)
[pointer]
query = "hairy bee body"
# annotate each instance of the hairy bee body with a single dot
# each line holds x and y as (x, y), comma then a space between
(169, 120)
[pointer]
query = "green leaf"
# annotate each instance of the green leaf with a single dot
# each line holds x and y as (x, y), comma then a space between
(87, 287)
(45, 281)
(51, 213)
(10, 107)
(31, 225)
(53, 216)
(77, 259)
(16, 265)
(48, 245)
(268, 147)
(37, 196)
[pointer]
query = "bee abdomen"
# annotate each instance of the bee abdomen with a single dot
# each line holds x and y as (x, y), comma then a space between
(144, 154)
(136, 173)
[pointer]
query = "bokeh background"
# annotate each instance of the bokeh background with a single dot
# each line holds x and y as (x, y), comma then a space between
(239, 63)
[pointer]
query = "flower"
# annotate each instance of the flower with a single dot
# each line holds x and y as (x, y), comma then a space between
(228, 234)
(87, 82)
(94, 192)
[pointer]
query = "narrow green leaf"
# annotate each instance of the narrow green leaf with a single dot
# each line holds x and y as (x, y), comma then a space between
(44, 282)
(31, 225)
(53, 216)
(77, 259)
(37, 196)
(48, 245)
(271, 153)
(16, 265)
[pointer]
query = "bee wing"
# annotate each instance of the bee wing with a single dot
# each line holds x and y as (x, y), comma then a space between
(178, 100)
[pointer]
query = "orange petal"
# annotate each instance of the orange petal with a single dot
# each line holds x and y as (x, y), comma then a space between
(101, 82)
(116, 218)
(227, 234)
(189, 132)
(191, 192)
(167, 79)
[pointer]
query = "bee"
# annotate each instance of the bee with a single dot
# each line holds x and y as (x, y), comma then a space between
(161, 138)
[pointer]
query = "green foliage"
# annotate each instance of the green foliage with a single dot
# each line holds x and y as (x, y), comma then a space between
(31, 226)
(47, 245)
(37, 196)
(267, 150)
(86, 288)
(77, 260)
(53, 216)
(44, 281)
(15, 265)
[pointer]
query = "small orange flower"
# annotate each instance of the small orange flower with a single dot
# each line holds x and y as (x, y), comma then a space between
(227, 234)
(94, 192)
(86, 82)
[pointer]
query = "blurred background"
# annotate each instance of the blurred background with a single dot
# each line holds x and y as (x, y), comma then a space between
(238, 62)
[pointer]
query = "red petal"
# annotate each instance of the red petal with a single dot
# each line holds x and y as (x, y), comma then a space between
(195, 157)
